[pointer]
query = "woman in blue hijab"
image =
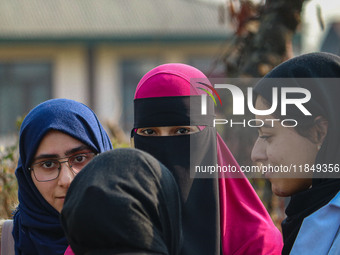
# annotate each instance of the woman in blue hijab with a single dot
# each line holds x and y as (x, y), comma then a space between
(57, 139)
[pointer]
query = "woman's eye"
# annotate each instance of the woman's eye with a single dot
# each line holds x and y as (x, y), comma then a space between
(148, 131)
(79, 158)
(265, 137)
(48, 164)
(182, 131)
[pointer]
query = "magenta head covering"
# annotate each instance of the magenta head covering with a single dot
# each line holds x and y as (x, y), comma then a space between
(225, 210)
(169, 80)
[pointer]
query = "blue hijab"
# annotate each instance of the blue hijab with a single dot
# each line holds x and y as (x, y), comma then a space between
(37, 229)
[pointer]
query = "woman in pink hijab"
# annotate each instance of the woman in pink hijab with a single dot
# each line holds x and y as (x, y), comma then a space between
(219, 215)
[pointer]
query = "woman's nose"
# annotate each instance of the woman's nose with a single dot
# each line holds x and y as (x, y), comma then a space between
(66, 175)
(258, 154)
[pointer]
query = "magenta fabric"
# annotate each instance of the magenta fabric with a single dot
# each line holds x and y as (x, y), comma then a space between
(246, 227)
(69, 251)
(168, 80)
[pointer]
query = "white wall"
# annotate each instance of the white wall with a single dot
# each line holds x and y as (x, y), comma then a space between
(70, 73)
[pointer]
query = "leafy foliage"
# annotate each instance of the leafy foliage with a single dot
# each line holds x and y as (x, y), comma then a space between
(8, 183)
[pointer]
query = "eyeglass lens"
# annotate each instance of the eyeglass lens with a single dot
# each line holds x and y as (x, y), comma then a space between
(49, 169)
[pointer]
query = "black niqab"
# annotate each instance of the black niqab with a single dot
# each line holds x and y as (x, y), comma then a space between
(199, 196)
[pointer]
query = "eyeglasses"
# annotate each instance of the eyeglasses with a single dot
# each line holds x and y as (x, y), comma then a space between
(49, 170)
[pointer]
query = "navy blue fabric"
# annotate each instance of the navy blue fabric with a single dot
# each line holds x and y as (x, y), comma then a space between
(37, 229)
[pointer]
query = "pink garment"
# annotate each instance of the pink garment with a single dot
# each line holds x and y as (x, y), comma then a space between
(69, 251)
(246, 227)
(243, 216)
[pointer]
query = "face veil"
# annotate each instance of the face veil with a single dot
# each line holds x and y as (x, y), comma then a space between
(218, 213)
(199, 196)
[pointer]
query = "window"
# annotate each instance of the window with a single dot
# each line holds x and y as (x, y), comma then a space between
(132, 71)
(23, 85)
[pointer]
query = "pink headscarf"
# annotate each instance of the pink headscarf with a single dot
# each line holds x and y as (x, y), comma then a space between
(246, 227)
(69, 251)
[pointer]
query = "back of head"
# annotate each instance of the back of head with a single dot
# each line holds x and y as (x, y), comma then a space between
(123, 201)
(311, 65)
(109, 252)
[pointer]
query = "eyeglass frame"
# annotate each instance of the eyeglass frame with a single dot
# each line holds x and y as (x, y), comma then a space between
(61, 162)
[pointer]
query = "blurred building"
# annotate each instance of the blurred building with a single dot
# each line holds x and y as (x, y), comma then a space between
(331, 42)
(96, 51)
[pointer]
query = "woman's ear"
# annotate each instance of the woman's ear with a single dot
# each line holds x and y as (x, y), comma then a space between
(321, 127)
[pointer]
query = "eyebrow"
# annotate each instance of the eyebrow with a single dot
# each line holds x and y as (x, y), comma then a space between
(69, 152)
(80, 148)
(264, 126)
(267, 126)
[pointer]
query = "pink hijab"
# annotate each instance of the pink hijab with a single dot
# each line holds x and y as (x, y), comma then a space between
(246, 227)
(69, 251)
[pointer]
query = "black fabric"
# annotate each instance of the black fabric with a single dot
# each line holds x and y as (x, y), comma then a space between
(199, 196)
(123, 202)
(324, 68)
(109, 252)
(185, 110)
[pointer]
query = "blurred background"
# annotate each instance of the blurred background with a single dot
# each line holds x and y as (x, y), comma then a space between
(96, 51)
